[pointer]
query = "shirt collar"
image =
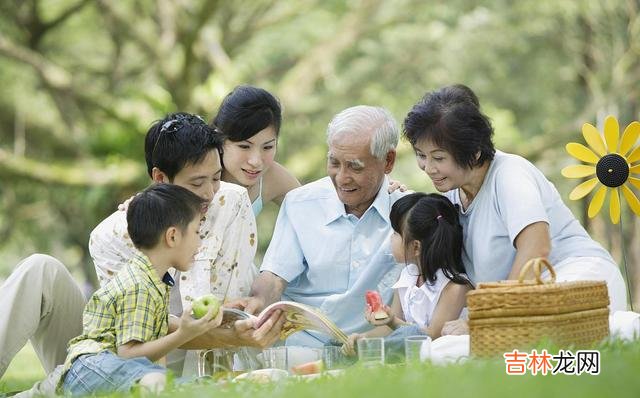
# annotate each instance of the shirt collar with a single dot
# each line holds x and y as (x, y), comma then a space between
(143, 262)
(408, 279)
(336, 209)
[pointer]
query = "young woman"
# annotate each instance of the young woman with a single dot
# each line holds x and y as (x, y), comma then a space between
(250, 118)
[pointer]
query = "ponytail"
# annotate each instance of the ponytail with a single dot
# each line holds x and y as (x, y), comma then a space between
(443, 250)
(432, 220)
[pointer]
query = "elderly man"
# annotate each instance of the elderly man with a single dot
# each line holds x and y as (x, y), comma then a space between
(331, 239)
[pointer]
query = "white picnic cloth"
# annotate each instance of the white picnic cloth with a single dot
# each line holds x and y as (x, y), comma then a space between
(446, 349)
(625, 325)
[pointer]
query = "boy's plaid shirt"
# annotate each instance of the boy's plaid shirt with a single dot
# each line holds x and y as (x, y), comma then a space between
(133, 306)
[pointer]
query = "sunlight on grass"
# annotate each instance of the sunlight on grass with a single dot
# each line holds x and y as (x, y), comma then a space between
(25, 369)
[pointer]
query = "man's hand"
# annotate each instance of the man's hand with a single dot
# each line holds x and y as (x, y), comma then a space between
(264, 336)
(349, 347)
(457, 327)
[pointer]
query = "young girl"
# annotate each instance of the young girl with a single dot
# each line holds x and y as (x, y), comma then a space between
(250, 117)
(431, 288)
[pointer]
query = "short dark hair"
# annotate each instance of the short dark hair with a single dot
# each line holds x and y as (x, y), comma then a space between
(157, 208)
(246, 111)
(178, 140)
(432, 220)
(451, 118)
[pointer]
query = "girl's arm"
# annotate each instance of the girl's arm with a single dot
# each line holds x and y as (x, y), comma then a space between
(533, 241)
(277, 182)
(452, 301)
(383, 327)
(187, 330)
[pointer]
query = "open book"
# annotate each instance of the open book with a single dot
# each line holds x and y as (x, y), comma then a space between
(298, 317)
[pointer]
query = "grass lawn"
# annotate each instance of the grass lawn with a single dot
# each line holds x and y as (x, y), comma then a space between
(24, 370)
(619, 377)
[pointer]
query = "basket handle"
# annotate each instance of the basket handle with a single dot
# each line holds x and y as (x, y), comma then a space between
(537, 264)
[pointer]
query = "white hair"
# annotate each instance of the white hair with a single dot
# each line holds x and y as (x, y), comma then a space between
(365, 118)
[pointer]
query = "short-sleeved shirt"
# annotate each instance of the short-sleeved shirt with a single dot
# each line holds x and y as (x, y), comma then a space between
(224, 263)
(133, 306)
(330, 258)
(516, 194)
(419, 303)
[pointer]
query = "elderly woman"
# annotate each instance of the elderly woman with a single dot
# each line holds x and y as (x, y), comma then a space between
(509, 211)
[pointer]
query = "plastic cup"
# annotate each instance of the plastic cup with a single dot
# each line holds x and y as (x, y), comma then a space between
(276, 358)
(414, 345)
(371, 351)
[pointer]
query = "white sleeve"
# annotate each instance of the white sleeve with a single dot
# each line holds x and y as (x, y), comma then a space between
(110, 246)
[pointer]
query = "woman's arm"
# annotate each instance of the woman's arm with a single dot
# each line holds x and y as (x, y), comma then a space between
(452, 301)
(533, 241)
(277, 182)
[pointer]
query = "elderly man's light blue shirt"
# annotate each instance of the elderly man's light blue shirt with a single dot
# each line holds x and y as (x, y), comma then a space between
(330, 258)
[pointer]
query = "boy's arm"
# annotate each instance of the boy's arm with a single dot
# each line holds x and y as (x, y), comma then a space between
(242, 334)
(187, 330)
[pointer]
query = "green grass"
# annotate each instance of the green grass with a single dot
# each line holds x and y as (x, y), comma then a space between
(24, 370)
(619, 377)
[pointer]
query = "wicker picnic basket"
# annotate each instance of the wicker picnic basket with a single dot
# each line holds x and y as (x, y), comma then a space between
(518, 314)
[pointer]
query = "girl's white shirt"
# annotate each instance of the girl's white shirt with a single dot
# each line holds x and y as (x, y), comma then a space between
(419, 303)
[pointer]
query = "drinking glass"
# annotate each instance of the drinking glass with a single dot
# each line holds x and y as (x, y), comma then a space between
(414, 345)
(276, 358)
(371, 351)
(215, 361)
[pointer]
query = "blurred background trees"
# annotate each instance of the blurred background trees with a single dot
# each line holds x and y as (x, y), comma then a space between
(83, 80)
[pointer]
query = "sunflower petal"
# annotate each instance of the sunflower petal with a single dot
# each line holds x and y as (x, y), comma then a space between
(634, 181)
(597, 201)
(583, 189)
(635, 169)
(629, 137)
(594, 139)
(611, 133)
(634, 156)
(582, 153)
(578, 171)
(614, 206)
(632, 199)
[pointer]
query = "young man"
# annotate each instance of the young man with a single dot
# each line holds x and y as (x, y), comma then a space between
(179, 149)
(126, 321)
(182, 149)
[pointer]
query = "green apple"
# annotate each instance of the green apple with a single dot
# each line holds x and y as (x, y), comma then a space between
(202, 304)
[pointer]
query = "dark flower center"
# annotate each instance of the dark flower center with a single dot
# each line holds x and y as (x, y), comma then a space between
(612, 170)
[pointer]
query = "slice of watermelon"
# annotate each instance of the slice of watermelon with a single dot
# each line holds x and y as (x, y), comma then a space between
(374, 300)
(308, 368)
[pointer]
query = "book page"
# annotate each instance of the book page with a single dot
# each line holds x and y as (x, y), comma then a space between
(302, 317)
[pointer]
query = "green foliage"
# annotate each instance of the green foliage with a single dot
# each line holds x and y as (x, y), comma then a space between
(82, 81)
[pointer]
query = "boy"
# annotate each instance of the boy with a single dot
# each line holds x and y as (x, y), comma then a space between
(126, 321)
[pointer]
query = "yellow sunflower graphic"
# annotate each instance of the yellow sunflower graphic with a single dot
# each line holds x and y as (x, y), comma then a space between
(611, 162)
